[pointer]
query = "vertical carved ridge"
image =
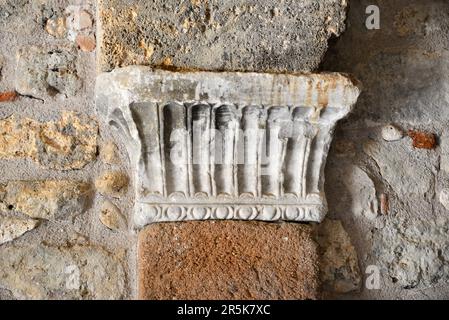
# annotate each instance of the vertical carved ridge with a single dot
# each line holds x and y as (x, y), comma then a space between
(176, 149)
(161, 150)
(298, 153)
(248, 171)
(201, 176)
(146, 118)
(225, 149)
(320, 147)
(277, 123)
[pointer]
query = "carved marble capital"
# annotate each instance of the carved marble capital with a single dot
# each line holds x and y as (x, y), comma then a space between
(208, 145)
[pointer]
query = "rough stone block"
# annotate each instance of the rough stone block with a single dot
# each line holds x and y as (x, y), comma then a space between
(227, 260)
(14, 227)
(111, 216)
(340, 270)
(112, 183)
(69, 143)
(234, 35)
(42, 73)
(45, 199)
(48, 272)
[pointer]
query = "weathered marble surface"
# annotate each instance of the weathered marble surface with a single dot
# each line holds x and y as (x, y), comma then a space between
(207, 145)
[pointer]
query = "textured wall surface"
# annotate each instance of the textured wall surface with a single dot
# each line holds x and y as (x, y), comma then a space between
(233, 35)
(52, 148)
(388, 185)
(65, 199)
(228, 260)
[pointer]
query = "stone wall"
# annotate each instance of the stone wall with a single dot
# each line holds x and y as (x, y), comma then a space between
(387, 176)
(62, 234)
(65, 185)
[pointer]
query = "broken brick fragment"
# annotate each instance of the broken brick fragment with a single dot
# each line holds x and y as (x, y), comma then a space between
(422, 140)
(86, 43)
(8, 96)
(384, 204)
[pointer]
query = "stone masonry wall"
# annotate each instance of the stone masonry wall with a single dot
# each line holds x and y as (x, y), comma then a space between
(387, 173)
(53, 244)
(65, 187)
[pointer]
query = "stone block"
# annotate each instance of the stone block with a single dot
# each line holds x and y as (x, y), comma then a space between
(235, 35)
(45, 73)
(340, 271)
(50, 199)
(13, 227)
(208, 145)
(227, 260)
(69, 143)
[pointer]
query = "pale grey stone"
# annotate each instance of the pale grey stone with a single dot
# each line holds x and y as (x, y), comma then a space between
(407, 171)
(412, 252)
(444, 144)
(48, 272)
(340, 271)
(42, 73)
(13, 227)
(362, 191)
(444, 198)
(391, 133)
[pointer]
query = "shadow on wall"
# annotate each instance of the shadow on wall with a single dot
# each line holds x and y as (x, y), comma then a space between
(404, 69)
(403, 66)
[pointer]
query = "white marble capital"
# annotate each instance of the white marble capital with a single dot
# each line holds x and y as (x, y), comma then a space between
(208, 145)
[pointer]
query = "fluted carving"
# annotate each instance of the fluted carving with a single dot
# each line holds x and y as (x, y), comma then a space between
(226, 145)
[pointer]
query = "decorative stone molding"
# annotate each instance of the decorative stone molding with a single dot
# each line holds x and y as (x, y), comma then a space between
(207, 145)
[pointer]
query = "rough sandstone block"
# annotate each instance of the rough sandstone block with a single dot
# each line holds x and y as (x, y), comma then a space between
(234, 35)
(112, 183)
(227, 260)
(14, 227)
(69, 143)
(48, 200)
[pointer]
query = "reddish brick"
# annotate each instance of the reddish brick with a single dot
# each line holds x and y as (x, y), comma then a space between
(384, 204)
(422, 140)
(227, 260)
(8, 96)
(86, 43)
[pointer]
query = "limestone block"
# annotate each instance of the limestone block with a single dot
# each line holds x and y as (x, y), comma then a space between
(112, 183)
(48, 272)
(69, 143)
(14, 227)
(50, 199)
(44, 73)
(232, 35)
(111, 216)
